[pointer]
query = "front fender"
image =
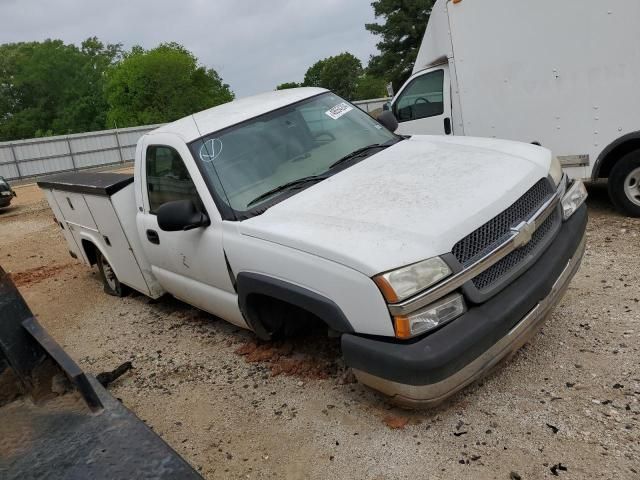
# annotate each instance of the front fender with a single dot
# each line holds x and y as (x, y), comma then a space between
(314, 283)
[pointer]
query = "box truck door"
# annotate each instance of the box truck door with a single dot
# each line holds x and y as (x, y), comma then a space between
(423, 105)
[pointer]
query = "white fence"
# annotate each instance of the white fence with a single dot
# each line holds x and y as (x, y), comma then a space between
(371, 105)
(43, 156)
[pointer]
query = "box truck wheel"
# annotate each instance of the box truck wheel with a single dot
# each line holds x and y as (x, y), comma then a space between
(624, 184)
(112, 285)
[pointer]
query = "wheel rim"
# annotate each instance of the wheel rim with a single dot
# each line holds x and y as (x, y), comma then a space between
(632, 186)
(109, 276)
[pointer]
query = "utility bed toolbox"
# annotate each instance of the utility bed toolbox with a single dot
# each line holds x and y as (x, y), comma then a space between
(97, 210)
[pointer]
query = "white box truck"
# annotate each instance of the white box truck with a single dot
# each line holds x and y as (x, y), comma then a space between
(295, 207)
(562, 74)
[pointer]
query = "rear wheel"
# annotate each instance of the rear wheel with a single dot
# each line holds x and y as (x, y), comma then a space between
(112, 285)
(624, 184)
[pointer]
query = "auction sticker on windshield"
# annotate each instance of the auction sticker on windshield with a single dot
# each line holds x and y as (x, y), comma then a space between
(339, 110)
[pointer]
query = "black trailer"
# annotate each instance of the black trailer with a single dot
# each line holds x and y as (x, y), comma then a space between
(57, 422)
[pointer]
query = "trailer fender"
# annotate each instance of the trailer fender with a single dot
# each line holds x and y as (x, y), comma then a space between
(614, 152)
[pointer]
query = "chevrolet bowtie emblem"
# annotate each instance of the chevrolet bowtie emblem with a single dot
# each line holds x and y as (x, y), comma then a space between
(523, 233)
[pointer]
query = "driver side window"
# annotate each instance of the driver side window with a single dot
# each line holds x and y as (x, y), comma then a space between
(422, 98)
(167, 178)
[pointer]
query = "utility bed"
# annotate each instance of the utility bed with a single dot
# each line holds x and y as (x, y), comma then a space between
(97, 210)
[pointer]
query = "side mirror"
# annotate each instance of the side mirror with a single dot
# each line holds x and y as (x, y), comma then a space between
(386, 106)
(180, 215)
(388, 120)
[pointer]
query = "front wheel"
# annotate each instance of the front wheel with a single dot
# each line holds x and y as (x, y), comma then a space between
(624, 184)
(112, 285)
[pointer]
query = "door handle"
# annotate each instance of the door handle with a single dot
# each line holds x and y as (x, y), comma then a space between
(447, 126)
(153, 237)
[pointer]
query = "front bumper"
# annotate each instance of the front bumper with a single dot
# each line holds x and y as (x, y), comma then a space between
(430, 369)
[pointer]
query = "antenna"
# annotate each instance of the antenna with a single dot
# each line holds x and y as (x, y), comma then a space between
(211, 155)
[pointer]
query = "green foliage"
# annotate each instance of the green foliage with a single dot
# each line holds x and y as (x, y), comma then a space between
(160, 85)
(405, 22)
(52, 87)
(339, 74)
(287, 85)
(369, 87)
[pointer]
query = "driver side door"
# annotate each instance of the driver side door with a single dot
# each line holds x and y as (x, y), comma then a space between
(423, 106)
(191, 264)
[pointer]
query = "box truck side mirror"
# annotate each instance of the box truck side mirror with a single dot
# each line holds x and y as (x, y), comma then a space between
(388, 120)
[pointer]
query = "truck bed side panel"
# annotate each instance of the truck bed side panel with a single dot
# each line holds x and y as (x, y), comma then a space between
(115, 244)
(124, 204)
(68, 235)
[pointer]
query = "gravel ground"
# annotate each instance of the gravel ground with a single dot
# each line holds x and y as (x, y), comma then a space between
(568, 404)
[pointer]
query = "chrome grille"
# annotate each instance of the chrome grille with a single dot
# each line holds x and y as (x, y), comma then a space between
(482, 240)
(504, 266)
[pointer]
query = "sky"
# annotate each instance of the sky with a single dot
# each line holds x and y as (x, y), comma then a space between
(253, 44)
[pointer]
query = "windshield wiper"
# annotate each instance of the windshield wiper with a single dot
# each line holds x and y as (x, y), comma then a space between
(359, 152)
(287, 186)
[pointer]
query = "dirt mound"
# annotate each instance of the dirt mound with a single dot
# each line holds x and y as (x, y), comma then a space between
(292, 357)
(37, 275)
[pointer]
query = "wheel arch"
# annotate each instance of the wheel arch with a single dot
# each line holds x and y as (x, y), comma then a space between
(90, 251)
(614, 152)
(253, 286)
(91, 248)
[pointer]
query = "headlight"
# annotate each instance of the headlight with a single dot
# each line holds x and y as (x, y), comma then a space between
(430, 317)
(404, 282)
(555, 171)
(573, 199)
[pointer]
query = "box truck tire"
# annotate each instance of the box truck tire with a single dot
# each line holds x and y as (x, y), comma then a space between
(112, 285)
(624, 184)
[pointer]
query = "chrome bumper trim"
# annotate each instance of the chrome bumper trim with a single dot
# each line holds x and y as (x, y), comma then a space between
(520, 236)
(430, 395)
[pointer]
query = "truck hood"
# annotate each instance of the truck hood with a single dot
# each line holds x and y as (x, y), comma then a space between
(411, 201)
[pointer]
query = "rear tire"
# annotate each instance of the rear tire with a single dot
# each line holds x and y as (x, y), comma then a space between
(624, 184)
(112, 285)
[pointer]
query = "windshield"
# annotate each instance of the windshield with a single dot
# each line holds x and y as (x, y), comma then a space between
(245, 162)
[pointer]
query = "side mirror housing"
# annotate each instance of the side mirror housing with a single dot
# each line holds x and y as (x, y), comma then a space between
(388, 120)
(180, 215)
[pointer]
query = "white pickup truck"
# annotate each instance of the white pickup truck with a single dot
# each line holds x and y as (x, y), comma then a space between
(432, 257)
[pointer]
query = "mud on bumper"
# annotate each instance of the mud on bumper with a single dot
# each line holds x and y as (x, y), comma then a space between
(428, 370)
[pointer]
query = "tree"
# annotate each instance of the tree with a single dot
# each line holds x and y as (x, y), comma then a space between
(287, 85)
(402, 32)
(339, 74)
(369, 87)
(49, 87)
(161, 85)
(88, 111)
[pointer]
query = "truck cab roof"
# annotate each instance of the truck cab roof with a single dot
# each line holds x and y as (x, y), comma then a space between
(232, 113)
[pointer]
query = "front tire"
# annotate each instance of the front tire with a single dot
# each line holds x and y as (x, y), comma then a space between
(624, 184)
(112, 285)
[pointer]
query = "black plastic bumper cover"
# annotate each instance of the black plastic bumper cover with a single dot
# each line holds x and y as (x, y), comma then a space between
(439, 355)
